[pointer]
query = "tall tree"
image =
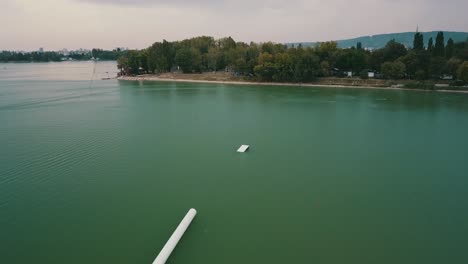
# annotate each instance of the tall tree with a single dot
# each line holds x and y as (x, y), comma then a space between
(418, 42)
(430, 45)
(133, 63)
(439, 49)
(359, 45)
(449, 48)
(436, 66)
(412, 63)
(226, 43)
(326, 49)
(307, 67)
(160, 57)
(188, 59)
(215, 60)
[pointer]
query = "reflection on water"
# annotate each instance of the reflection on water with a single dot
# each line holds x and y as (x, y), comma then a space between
(391, 100)
(66, 71)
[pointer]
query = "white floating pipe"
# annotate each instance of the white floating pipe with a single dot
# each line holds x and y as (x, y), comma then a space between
(174, 239)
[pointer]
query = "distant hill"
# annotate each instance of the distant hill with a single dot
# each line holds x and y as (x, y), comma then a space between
(379, 41)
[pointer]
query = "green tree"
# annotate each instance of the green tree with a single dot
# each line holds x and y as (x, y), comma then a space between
(436, 67)
(266, 68)
(394, 50)
(215, 59)
(463, 72)
(266, 71)
(439, 49)
(131, 63)
(268, 47)
(203, 43)
(307, 67)
(352, 60)
(122, 63)
(418, 42)
(143, 60)
(359, 45)
(411, 61)
(134, 61)
(326, 50)
(273, 48)
(430, 45)
(376, 59)
(160, 57)
(284, 68)
(189, 60)
(394, 70)
(226, 43)
(325, 68)
(235, 56)
(461, 50)
(449, 48)
(452, 66)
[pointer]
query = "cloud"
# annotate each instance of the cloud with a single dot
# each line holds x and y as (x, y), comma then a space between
(126, 2)
(9, 5)
(146, 3)
(224, 5)
(138, 23)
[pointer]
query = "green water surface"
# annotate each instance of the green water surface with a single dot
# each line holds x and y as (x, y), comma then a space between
(103, 171)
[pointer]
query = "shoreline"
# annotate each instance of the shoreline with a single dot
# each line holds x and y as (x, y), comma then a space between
(179, 80)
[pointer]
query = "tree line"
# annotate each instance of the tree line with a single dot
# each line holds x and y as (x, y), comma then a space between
(279, 63)
(51, 56)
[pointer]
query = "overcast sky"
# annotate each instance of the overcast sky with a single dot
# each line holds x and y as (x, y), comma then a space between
(72, 24)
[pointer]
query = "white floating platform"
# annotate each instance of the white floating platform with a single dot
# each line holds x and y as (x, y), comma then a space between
(243, 148)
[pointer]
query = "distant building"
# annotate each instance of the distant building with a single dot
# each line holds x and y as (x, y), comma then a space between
(447, 77)
(64, 52)
(80, 51)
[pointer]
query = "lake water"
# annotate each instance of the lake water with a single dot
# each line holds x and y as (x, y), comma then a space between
(95, 171)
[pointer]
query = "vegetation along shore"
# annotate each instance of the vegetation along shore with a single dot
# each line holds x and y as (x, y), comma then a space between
(64, 55)
(435, 64)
